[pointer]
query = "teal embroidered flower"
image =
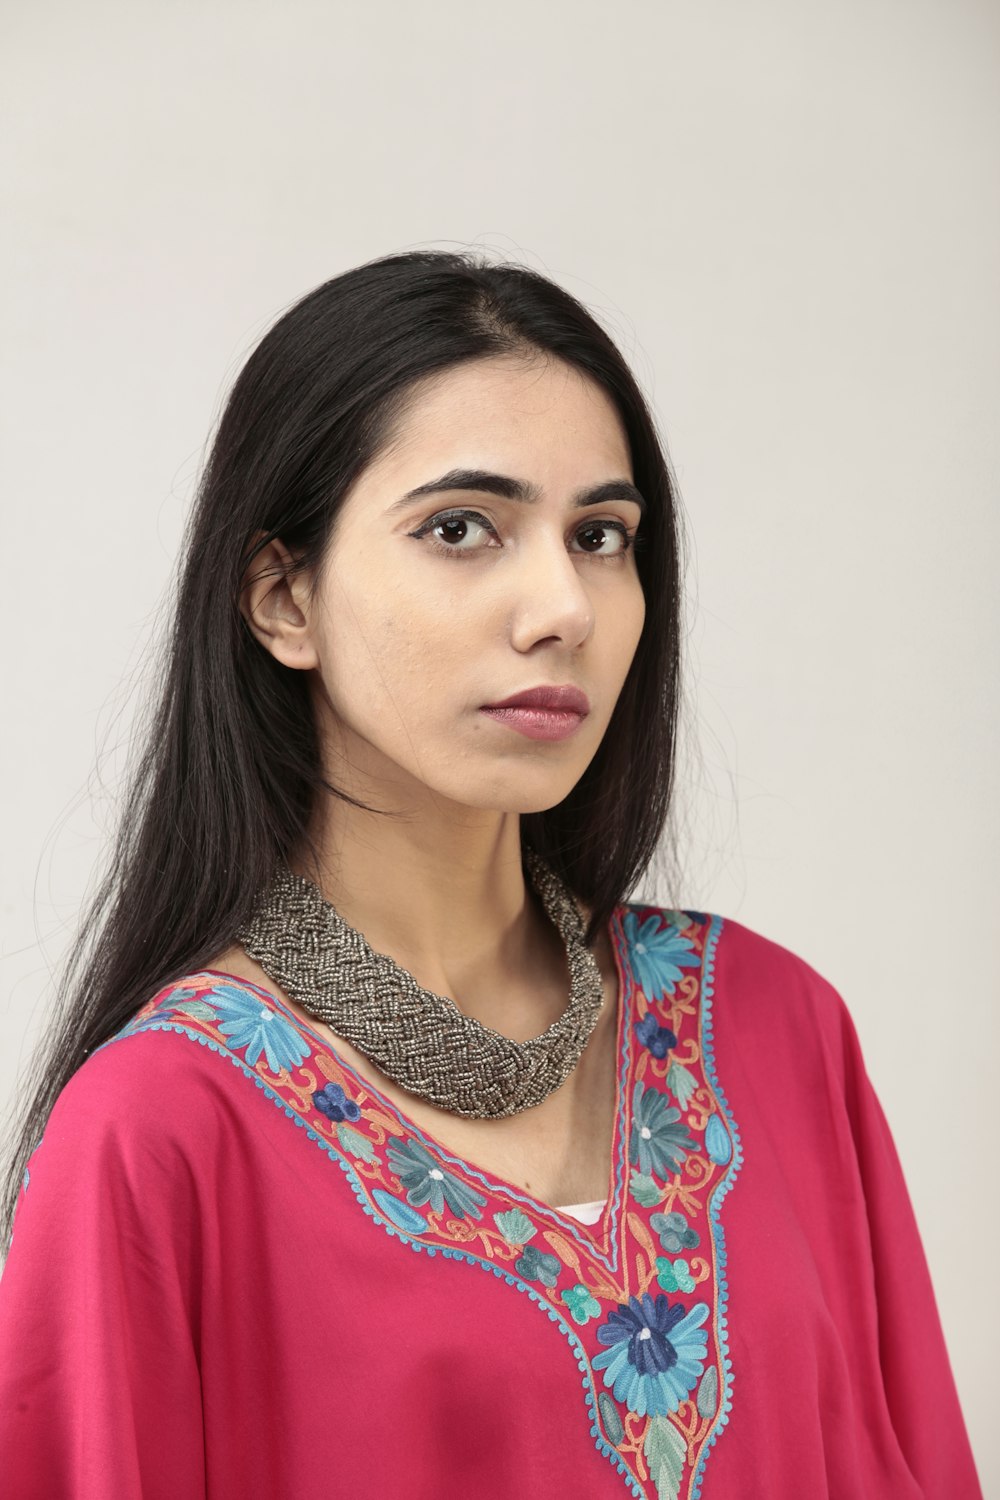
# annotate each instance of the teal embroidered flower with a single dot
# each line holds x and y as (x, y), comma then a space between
(581, 1304)
(250, 1024)
(516, 1227)
(426, 1182)
(654, 1352)
(659, 1144)
(676, 1277)
(682, 1083)
(657, 954)
(645, 1190)
(536, 1265)
(675, 1232)
(355, 1144)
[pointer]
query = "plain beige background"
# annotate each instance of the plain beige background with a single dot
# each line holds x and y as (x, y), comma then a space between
(788, 215)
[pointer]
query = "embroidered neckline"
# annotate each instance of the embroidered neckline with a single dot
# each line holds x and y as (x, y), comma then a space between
(603, 1229)
(647, 1323)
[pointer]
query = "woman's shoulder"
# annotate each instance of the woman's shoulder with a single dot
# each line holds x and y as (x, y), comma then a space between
(645, 923)
(161, 1080)
(751, 981)
(156, 1124)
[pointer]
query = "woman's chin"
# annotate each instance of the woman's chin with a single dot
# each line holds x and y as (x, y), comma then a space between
(521, 800)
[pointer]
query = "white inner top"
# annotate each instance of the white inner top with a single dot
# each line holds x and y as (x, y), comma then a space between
(587, 1213)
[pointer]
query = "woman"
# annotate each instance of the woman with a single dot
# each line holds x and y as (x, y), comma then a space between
(393, 1152)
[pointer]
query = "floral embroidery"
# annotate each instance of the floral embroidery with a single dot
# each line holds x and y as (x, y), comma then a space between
(516, 1227)
(681, 1082)
(581, 1304)
(400, 1213)
(425, 1182)
(659, 1039)
(645, 1190)
(674, 1277)
(658, 953)
(655, 1353)
(334, 1103)
(717, 1142)
(659, 1144)
(641, 1297)
(254, 1028)
(675, 1232)
(613, 1424)
(354, 1143)
(534, 1265)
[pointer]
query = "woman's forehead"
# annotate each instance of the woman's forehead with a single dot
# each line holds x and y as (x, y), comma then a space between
(543, 423)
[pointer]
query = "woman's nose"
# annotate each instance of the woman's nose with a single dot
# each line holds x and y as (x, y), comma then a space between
(552, 602)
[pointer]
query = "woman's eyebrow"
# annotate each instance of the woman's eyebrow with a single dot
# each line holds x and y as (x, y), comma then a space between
(519, 489)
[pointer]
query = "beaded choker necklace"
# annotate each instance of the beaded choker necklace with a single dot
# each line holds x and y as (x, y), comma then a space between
(419, 1039)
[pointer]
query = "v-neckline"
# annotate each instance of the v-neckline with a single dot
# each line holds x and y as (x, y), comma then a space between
(496, 1185)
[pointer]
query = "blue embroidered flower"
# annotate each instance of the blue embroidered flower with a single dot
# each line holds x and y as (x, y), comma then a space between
(251, 1024)
(581, 1304)
(536, 1265)
(653, 1353)
(675, 1232)
(676, 1277)
(659, 1143)
(334, 1103)
(657, 1039)
(657, 954)
(426, 1182)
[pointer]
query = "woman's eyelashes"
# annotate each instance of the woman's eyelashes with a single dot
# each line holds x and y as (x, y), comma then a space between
(464, 533)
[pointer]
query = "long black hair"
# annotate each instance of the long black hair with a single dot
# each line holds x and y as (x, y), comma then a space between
(215, 795)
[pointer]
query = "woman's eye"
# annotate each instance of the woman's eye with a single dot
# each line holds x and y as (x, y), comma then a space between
(604, 538)
(460, 532)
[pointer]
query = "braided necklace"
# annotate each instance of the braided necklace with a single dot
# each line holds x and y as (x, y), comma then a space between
(419, 1039)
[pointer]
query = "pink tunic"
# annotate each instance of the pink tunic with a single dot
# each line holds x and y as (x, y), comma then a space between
(238, 1270)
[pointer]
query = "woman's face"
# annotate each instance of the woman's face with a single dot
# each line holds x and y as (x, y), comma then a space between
(431, 608)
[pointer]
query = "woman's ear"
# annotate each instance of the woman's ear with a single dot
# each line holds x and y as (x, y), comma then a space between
(274, 601)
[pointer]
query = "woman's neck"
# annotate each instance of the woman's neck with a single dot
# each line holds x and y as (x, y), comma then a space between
(448, 901)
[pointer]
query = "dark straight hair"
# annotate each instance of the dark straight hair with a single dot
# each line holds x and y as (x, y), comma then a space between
(215, 795)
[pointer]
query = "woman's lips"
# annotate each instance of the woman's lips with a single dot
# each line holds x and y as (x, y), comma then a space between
(542, 713)
(537, 723)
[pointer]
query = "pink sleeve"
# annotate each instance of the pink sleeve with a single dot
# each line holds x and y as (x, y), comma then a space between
(916, 1372)
(99, 1378)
